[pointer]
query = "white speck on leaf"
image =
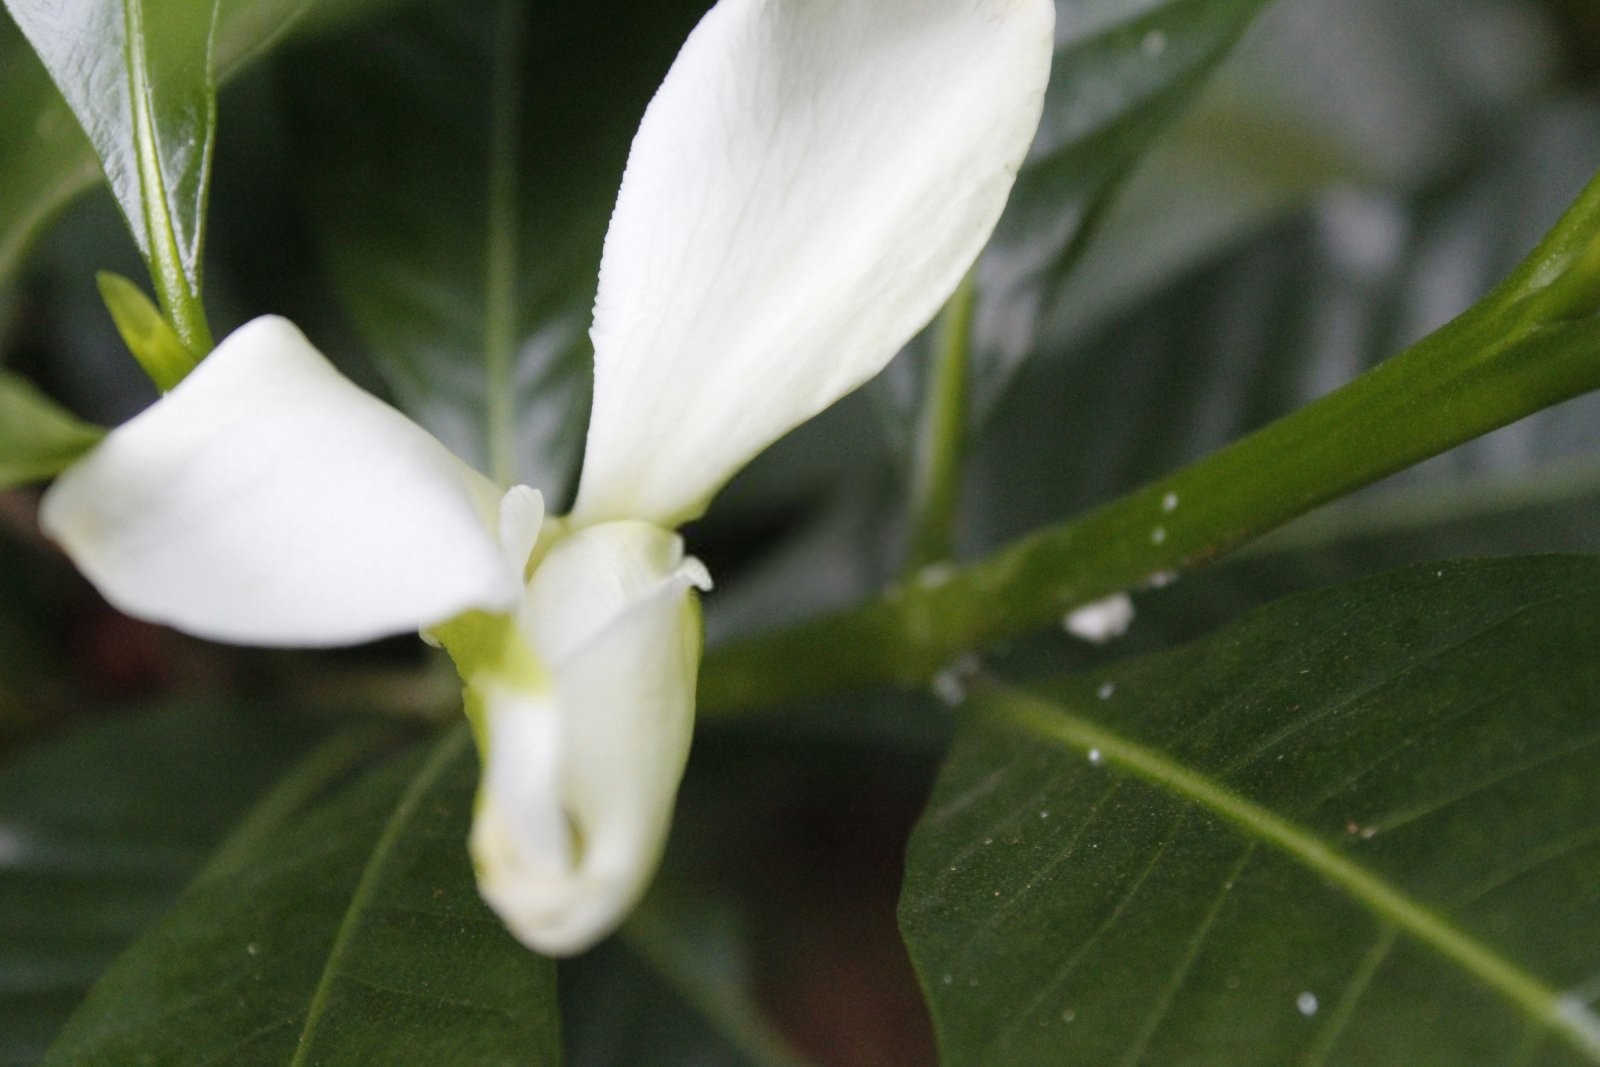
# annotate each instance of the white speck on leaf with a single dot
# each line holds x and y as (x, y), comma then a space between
(1307, 1003)
(950, 684)
(1169, 502)
(1100, 620)
(1161, 579)
(949, 688)
(13, 846)
(1576, 1012)
(1095, 757)
(1158, 536)
(1106, 690)
(935, 574)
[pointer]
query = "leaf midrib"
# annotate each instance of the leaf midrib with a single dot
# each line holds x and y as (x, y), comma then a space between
(1052, 722)
(443, 754)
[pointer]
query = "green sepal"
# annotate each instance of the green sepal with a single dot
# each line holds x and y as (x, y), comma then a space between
(38, 439)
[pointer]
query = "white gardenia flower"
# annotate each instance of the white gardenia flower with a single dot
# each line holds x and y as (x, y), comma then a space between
(806, 189)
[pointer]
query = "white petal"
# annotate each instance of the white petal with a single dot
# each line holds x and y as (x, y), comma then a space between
(521, 519)
(807, 187)
(267, 500)
(614, 604)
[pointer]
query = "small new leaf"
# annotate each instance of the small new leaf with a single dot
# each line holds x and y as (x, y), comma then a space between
(148, 335)
(37, 438)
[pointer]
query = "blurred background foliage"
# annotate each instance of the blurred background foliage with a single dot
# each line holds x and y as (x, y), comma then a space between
(1188, 255)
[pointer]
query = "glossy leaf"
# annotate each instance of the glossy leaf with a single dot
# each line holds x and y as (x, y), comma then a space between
(470, 269)
(1358, 826)
(1283, 319)
(138, 75)
(1284, 117)
(45, 160)
(1121, 73)
(351, 933)
(99, 830)
(37, 438)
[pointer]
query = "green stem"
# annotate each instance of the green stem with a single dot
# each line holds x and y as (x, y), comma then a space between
(941, 437)
(502, 240)
(178, 295)
(1531, 343)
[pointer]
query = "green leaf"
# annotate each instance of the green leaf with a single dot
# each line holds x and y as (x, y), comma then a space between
(1212, 159)
(350, 933)
(101, 829)
(673, 987)
(37, 439)
(46, 160)
(1360, 825)
(1283, 319)
(1121, 73)
(470, 269)
(148, 336)
(138, 76)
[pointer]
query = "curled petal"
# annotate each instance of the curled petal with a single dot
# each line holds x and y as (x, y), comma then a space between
(807, 187)
(581, 770)
(267, 500)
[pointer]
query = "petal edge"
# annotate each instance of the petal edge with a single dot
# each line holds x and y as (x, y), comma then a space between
(268, 500)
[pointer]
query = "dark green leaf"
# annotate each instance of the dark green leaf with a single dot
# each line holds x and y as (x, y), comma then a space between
(99, 833)
(1138, 203)
(1120, 74)
(37, 439)
(470, 268)
(672, 988)
(352, 933)
(1283, 319)
(1361, 825)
